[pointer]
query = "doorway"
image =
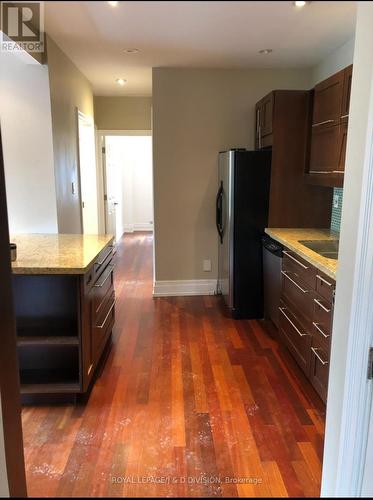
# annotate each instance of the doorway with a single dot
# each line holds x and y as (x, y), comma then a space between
(127, 182)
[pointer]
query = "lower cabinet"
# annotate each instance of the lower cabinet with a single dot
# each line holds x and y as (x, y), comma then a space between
(306, 315)
(64, 323)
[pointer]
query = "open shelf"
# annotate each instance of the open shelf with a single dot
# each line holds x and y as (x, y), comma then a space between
(34, 340)
(43, 381)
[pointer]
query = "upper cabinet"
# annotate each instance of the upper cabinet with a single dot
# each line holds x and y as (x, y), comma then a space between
(331, 102)
(282, 123)
(264, 122)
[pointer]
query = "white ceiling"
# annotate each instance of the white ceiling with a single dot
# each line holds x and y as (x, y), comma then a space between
(226, 34)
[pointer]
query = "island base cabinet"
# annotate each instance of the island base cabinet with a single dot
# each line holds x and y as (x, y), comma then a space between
(63, 323)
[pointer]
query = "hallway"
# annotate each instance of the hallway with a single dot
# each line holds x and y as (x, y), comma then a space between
(190, 403)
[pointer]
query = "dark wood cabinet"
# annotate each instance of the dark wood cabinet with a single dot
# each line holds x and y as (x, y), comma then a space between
(64, 323)
(331, 104)
(327, 101)
(347, 81)
(264, 121)
(282, 123)
(306, 318)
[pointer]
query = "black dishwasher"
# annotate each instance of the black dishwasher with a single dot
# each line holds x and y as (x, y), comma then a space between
(272, 265)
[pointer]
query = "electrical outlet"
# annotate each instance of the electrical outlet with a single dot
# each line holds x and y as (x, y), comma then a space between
(207, 265)
(336, 201)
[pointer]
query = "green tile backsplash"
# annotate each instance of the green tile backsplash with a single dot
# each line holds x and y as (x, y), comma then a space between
(335, 223)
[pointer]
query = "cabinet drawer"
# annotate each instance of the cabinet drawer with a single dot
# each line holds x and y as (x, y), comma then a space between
(294, 264)
(297, 293)
(102, 328)
(319, 368)
(323, 314)
(325, 287)
(104, 258)
(296, 337)
(103, 286)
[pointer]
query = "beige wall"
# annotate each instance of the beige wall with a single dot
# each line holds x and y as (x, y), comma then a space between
(196, 114)
(69, 89)
(123, 113)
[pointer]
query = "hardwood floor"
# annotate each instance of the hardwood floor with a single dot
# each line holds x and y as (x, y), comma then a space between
(190, 403)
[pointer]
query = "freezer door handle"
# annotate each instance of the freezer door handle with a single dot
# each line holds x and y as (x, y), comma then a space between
(219, 212)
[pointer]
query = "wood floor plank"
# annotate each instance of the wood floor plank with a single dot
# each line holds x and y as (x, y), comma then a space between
(190, 404)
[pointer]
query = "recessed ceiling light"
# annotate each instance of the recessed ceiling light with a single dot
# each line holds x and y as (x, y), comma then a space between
(131, 51)
(265, 51)
(121, 81)
(113, 4)
(300, 3)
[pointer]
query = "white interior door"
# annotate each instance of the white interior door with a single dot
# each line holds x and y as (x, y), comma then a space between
(113, 198)
(87, 170)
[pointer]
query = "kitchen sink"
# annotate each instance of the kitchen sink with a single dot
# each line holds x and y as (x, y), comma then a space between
(325, 248)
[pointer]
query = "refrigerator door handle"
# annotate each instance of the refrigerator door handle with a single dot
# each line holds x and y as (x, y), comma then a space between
(219, 212)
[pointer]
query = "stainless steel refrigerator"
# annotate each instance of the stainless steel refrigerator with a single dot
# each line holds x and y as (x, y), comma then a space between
(242, 203)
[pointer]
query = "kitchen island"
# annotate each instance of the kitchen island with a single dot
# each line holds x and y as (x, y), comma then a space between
(65, 309)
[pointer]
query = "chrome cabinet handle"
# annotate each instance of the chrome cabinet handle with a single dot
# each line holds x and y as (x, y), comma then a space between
(321, 305)
(103, 260)
(100, 285)
(318, 356)
(326, 172)
(295, 283)
(106, 317)
(323, 123)
(282, 310)
(294, 259)
(323, 280)
(316, 325)
(345, 116)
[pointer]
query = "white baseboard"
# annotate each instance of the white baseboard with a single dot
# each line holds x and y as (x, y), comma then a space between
(139, 226)
(185, 287)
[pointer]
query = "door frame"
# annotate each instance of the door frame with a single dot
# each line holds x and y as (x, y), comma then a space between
(10, 407)
(350, 392)
(101, 164)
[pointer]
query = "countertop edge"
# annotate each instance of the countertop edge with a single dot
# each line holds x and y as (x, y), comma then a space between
(71, 271)
(304, 255)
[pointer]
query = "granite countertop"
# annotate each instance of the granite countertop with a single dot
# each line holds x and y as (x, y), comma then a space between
(57, 253)
(290, 238)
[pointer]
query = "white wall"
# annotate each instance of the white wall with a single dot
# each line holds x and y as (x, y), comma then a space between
(338, 469)
(26, 127)
(335, 61)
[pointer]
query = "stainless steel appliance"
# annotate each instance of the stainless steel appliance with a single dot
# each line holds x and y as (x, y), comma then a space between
(272, 265)
(241, 215)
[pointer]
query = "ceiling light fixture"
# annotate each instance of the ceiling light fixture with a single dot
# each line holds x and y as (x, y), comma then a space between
(265, 51)
(131, 51)
(300, 4)
(121, 81)
(113, 4)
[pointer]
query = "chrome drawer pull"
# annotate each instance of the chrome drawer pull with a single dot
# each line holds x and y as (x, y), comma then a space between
(322, 306)
(103, 260)
(106, 317)
(316, 325)
(282, 310)
(295, 283)
(99, 285)
(324, 280)
(295, 260)
(318, 357)
(323, 123)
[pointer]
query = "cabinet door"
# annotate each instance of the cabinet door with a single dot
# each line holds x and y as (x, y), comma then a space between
(266, 115)
(346, 93)
(327, 101)
(319, 370)
(327, 153)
